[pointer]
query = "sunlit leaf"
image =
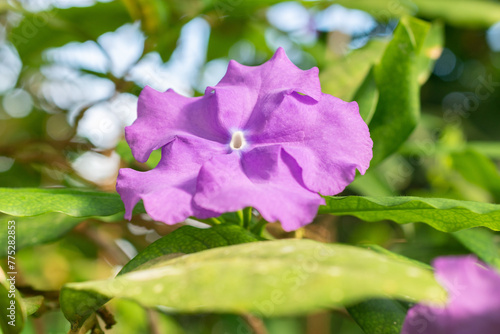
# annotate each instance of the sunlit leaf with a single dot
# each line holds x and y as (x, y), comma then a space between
(462, 13)
(280, 277)
(25, 202)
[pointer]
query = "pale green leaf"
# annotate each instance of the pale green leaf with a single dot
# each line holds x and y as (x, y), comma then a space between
(279, 278)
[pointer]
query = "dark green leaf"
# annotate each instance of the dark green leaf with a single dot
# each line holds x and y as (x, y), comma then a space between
(379, 316)
(188, 239)
(367, 97)
(398, 108)
(443, 214)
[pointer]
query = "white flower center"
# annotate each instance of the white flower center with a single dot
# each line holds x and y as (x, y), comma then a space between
(237, 140)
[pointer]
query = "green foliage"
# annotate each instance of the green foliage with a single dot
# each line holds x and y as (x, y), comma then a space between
(418, 150)
(379, 316)
(482, 243)
(280, 277)
(188, 239)
(442, 214)
(398, 108)
(37, 230)
(478, 169)
(10, 299)
(463, 13)
(26, 202)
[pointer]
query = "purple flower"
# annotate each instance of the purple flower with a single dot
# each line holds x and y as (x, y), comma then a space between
(264, 136)
(473, 305)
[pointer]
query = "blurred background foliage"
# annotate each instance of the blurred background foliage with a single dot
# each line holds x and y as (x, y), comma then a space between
(71, 71)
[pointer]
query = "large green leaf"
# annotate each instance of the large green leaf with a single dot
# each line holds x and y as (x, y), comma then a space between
(443, 214)
(270, 278)
(37, 230)
(386, 316)
(188, 239)
(184, 240)
(25, 202)
(398, 108)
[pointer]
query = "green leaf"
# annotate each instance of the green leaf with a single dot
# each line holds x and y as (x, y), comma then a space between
(189, 239)
(32, 231)
(343, 77)
(398, 108)
(462, 13)
(367, 97)
(443, 214)
(431, 51)
(32, 304)
(490, 149)
(482, 243)
(386, 316)
(378, 316)
(25, 202)
(12, 321)
(270, 278)
(478, 169)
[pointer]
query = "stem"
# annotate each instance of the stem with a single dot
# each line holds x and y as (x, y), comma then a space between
(255, 323)
(247, 217)
(106, 316)
(259, 227)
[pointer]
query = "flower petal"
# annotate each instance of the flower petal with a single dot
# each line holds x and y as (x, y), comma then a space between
(329, 139)
(167, 190)
(266, 178)
(162, 116)
(245, 89)
(473, 305)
